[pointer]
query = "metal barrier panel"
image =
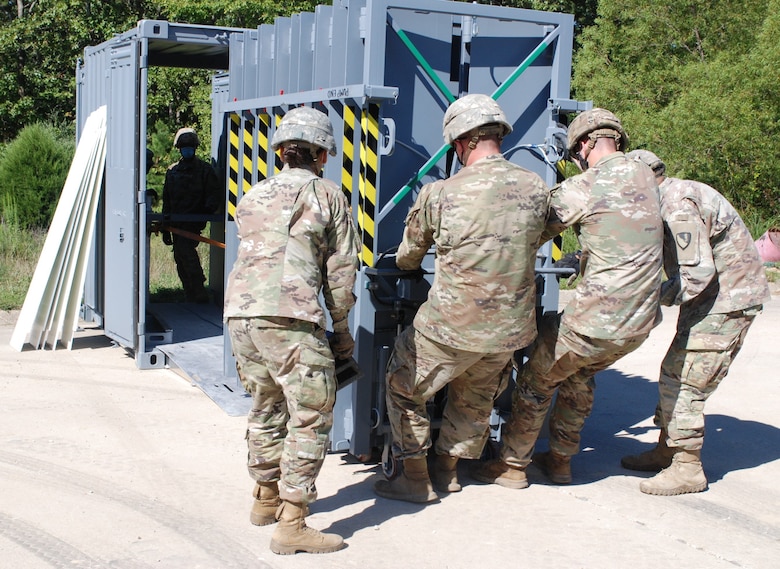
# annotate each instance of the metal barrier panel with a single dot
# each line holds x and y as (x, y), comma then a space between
(385, 72)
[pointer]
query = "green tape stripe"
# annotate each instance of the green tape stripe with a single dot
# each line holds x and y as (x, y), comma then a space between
(527, 62)
(424, 64)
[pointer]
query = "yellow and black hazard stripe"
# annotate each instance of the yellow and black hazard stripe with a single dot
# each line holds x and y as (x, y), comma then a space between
(278, 114)
(235, 129)
(369, 162)
(557, 248)
(349, 119)
(263, 145)
(248, 150)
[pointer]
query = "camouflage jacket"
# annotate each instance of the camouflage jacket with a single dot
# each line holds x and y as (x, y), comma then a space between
(486, 222)
(297, 239)
(709, 250)
(191, 187)
(615, 210)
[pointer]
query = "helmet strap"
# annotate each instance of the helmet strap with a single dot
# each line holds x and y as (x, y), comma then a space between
(603, 133)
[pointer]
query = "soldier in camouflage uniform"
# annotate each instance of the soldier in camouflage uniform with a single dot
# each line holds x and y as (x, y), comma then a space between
(717, 279)
(297, 241)
(614, 208)
(191, 188)
(486, 222)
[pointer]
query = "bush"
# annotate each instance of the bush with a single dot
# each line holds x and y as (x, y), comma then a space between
(33, 169)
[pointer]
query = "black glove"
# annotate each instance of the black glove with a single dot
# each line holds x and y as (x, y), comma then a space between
(342, 345)
(166, 237)
(569, 261)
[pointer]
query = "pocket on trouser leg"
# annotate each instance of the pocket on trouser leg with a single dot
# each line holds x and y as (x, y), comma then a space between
(301, 463)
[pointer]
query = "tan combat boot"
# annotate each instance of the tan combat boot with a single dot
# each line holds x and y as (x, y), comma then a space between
(557, 467)
(412, 485)
(654, 460)
(685, 475)
(266, 503)
(497, 471)
(293, 535)
(445, 473)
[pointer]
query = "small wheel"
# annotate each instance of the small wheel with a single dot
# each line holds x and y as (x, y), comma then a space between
(391, 467)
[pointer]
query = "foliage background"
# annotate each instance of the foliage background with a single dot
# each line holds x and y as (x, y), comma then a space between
(693, 80)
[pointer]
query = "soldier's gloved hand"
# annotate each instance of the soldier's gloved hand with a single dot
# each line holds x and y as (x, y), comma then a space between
(570, 261)
(669, 291)
(166, 237)
(342, 345)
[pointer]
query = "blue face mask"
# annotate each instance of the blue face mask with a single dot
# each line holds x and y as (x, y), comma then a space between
(187, 152)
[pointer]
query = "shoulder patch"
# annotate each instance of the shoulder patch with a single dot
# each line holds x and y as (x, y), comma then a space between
(686, 241)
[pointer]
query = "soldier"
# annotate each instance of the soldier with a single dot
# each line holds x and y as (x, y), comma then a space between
(717, 279)
(191, 187)
(297, 241)
(486, 222)
(614, 208)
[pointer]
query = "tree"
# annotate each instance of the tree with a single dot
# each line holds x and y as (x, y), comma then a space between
(39, 43)
(691, 83)
(584, 11)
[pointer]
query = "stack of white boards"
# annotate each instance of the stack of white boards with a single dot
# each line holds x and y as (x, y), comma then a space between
(49, 315)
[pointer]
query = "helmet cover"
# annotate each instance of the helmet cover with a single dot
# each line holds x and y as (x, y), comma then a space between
(308, 125)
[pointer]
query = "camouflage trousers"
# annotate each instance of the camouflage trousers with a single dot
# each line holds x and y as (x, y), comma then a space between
(286, 365)
(697, 361)
(185, 255)
(417, 370)
(564, 361)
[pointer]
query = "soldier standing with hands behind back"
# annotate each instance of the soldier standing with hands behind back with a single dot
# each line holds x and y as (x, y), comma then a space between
(191, 187)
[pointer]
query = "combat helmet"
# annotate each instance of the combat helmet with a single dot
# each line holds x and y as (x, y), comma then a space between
(646, 157)
(471, 112)
(306, 124)
(596, 123)
(186, 137)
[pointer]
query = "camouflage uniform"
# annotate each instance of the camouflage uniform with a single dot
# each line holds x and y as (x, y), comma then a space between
(614, 207)
(297, 241)
(191, 188)
(486, 222)
(716, 276)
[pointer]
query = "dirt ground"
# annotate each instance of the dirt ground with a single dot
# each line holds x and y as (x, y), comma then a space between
(107, 466)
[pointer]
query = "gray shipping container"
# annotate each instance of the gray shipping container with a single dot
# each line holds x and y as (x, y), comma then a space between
(385, 73)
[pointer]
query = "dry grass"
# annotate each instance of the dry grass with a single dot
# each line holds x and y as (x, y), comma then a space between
(21, 248)
(19, 252)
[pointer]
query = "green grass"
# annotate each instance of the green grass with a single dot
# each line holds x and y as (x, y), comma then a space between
(19, 252)
(20, 249)
(164, 283)
(758, 224)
